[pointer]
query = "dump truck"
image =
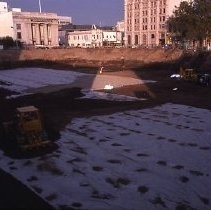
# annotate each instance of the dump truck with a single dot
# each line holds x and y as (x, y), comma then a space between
(25, 131)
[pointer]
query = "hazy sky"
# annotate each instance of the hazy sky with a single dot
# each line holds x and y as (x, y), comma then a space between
(106, 12)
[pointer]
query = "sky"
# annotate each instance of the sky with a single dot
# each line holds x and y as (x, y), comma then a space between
(99, 12)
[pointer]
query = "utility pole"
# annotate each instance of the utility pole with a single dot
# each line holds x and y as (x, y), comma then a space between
(40, 6)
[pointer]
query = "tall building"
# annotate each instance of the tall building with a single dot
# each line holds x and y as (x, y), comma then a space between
(145, 21)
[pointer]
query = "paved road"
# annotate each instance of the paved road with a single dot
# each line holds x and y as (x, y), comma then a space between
(14, 195)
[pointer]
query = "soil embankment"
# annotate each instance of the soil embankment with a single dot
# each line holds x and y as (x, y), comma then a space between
(77, 57)
(112, 59)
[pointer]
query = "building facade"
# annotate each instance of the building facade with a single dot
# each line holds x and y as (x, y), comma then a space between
(3, 7)
(30, 28)
(80, 39)
(85, 38)
(145, 21)
(94, 37)
(120, 28)
(33, 28)
(6, 21)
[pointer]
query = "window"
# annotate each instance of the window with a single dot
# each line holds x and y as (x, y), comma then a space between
(19, 35)
(129, 40)
(18, 26)
(136, 39)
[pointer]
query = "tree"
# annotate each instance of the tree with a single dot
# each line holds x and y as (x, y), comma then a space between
(8, 42)
(191, 21)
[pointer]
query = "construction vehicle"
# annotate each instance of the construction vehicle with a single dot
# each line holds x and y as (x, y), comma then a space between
(188, 74)
(193, 75)
(25, 131)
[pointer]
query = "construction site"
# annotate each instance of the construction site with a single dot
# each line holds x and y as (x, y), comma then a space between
(105, 129)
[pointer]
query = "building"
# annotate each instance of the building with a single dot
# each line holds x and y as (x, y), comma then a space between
(145, 21)
(3, 7)
(64, 20)
(34, 28)
(31, 28)
(87, 36)
(6, 21)
(112, 38)
(120, 28)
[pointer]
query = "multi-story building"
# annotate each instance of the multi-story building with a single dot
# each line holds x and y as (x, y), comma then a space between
(6, 21)
(120, 28)
(85, 36)
(112, 38)
(145, 21)
(93, 36)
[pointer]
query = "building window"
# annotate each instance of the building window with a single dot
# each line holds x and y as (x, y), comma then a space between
(152, 36)
(136, 39)
(144, 39)
(129, 40)
(19, 35)
(18, 26)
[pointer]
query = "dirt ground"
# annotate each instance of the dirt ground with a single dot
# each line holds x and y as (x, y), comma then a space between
(59, 108)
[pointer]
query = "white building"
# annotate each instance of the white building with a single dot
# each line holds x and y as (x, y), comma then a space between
(80, 39)
(112, 38)
(145, 21)
(120, 26)
(6, 25)
(64, 20)
(36, 28)
(85, 38)
(6, 21)
(94, 37)
(30, 28)
(3, 7)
